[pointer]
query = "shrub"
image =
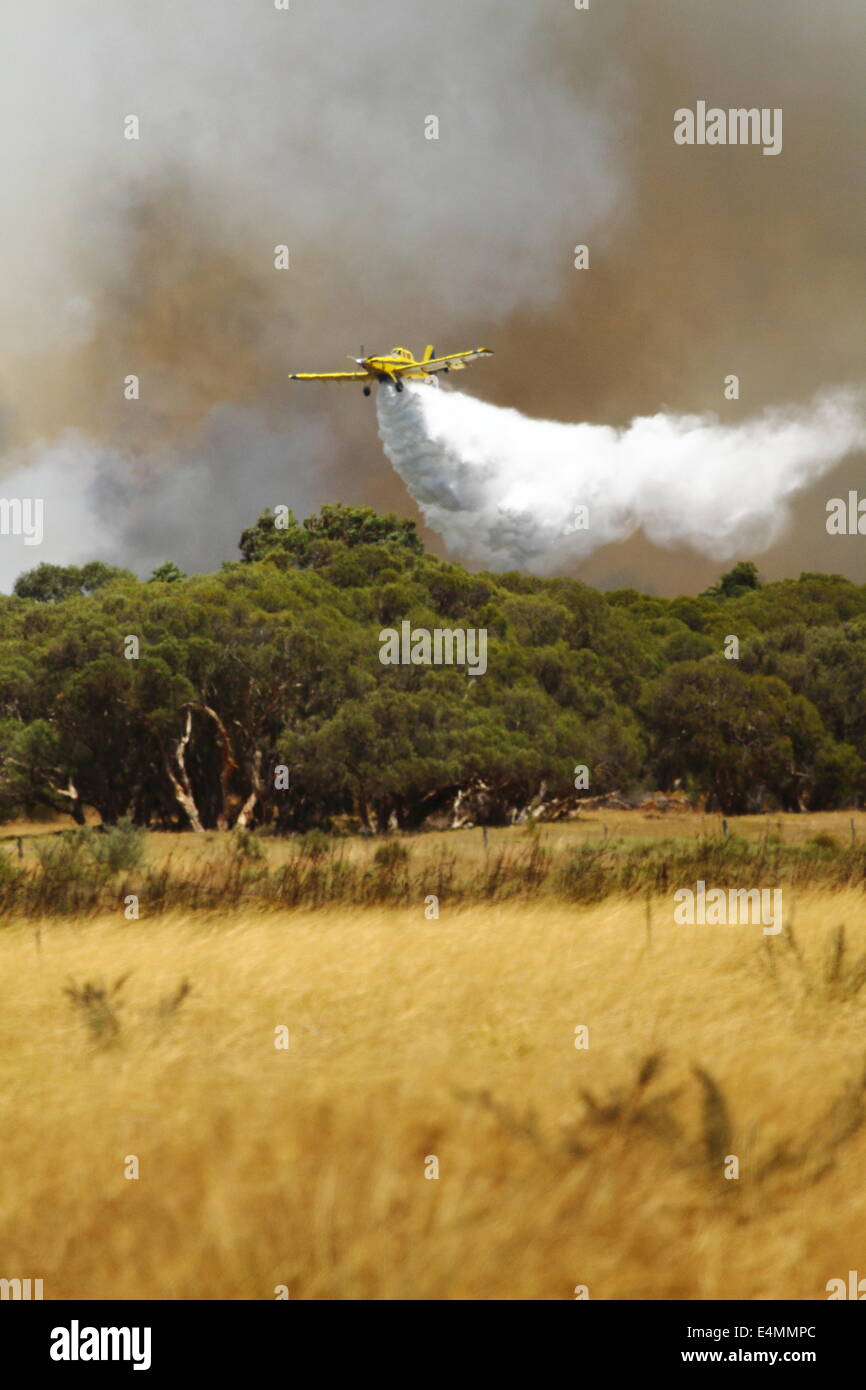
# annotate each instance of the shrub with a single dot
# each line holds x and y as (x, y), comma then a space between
(120, 847)
(390, 855)
(246, 846)
(314, 845)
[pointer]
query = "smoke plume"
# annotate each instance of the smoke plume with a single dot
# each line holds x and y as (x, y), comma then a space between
(308, 127)
(509, 491)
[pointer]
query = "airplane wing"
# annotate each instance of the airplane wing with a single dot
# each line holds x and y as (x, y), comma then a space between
(455, 362)
(328, 376)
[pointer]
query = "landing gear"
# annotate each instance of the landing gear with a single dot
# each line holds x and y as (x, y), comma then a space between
(366, 390)
(398, 384)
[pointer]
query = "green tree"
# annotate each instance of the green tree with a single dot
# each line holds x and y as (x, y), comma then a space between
(743, 577)
(52, 583)
(167, 573)
(734, 735)
(335, 522)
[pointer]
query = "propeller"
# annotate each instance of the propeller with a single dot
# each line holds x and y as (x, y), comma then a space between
(358, 360)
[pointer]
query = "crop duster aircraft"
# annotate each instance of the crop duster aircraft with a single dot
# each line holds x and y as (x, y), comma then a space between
(397, 365)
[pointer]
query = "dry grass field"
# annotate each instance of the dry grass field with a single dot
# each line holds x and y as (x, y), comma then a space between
(455, 1038)
(592, 828)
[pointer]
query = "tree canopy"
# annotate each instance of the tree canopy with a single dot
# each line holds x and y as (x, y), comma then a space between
(256, 696)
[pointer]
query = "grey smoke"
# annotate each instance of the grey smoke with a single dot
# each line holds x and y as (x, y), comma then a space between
(101, 504)
(306, 127)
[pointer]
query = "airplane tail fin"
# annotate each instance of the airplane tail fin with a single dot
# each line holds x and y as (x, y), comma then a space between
(429, 352)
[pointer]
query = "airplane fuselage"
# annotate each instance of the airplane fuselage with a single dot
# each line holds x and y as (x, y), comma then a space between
(393, 366)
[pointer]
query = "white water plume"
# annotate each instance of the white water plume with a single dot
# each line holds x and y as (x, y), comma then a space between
(505, 490)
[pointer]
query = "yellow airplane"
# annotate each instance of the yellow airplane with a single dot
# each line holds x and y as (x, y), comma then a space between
(393, 366)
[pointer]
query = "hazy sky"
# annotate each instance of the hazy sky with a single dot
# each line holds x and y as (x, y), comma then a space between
(306, 127)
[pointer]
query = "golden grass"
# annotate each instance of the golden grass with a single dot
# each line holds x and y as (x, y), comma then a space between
(188, 851)
(454, 1038)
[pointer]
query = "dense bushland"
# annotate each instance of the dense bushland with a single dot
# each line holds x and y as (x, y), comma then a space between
(273, 663)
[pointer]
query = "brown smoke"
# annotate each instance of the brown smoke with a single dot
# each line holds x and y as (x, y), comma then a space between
(556, 129)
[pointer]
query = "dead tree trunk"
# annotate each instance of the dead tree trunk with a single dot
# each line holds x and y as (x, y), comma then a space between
(248, 807)
(76, 810)
(180, 782)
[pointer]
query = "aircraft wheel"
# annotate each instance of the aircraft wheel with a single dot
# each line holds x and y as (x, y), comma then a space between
(366, 390)
(446, 370)
(399, 385)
